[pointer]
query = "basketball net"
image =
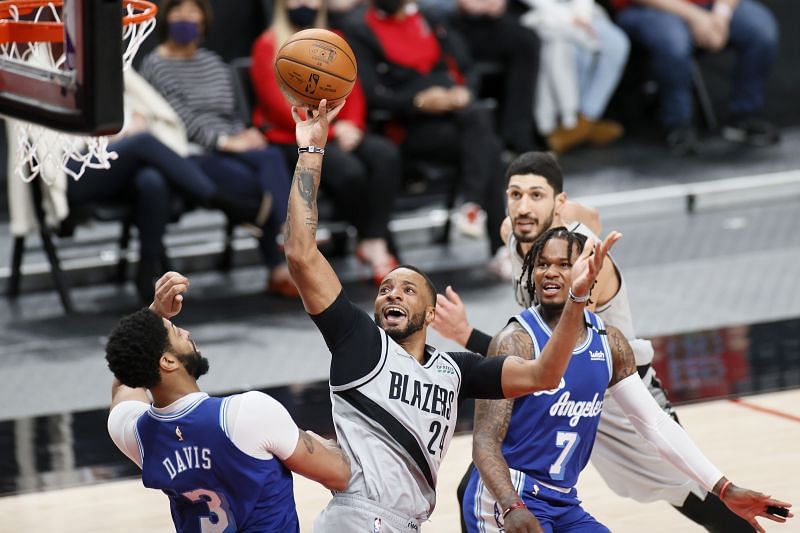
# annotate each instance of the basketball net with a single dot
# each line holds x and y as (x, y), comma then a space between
(46, 152)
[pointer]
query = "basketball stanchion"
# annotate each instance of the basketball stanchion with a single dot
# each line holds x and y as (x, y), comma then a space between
(313, 65)
(53, 85)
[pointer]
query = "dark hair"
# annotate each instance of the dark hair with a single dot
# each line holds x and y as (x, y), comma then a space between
(542, 164)
(135, 347)
(529, 262)
(168, 5)
(428, 282)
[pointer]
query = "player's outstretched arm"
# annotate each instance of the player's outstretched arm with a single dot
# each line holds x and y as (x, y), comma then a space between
(312, 274)
(545, 373)
(675, 445)
(321, 460)
(491, 425)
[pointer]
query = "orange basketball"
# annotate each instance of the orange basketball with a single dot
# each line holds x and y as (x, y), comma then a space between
(315, 64)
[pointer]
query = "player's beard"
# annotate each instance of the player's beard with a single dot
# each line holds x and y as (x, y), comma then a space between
(414, 324)
(528, 238)
(196, 365)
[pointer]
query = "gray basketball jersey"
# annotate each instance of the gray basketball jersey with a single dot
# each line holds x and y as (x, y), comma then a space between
(615, 312)
(395, 424)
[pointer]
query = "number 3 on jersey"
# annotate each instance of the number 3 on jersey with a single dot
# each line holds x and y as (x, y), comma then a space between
(566, 440)
(219, 519)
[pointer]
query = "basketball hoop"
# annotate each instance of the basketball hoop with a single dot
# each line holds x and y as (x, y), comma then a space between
(37, 39)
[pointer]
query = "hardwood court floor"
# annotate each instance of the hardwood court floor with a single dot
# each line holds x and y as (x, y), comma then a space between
(759, 449)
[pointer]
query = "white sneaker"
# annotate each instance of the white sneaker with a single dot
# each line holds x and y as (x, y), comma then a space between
(470, 220)
(500, 265)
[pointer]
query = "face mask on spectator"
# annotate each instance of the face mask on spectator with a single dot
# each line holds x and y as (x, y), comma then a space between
(390, 7)
(183, 31)
(302, 17)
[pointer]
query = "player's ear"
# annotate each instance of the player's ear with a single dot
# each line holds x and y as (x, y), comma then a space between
(168, 362)
(430, 314)
(561, 199)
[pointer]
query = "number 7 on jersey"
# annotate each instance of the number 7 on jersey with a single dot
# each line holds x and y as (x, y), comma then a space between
(566, 440)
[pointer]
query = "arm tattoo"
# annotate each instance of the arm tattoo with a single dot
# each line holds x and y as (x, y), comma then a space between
(308, 440)
(622, 355)
(492, 418)
(306, 186)
(491, 425)
(512, 340)
(307, 180)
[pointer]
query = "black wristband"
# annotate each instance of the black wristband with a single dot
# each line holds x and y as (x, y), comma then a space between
(478, 342)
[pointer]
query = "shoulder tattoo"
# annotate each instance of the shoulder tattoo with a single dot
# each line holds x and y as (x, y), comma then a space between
(512, 340)
(622, 355)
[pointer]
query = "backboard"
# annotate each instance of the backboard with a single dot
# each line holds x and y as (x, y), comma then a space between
(66, 76)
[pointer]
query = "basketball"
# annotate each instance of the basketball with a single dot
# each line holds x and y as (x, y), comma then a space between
(315, 64)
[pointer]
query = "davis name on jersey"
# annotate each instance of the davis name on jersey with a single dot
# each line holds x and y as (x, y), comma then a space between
(187, 458)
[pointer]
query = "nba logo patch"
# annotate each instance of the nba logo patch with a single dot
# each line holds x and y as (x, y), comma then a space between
(377, 525)
(311, 84)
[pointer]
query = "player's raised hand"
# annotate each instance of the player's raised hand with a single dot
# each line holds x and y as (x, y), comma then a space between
(750, 504)
(521, 521)
(450, 320)
(589, 263)
(313, 129)
(170, 288)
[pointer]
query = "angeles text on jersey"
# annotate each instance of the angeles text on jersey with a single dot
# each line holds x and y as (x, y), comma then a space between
(575, 410)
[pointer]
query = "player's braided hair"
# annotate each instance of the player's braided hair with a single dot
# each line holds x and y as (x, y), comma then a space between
(529, 262)
(134, 348)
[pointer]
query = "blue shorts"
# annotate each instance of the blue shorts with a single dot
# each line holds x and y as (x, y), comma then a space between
(556, 511)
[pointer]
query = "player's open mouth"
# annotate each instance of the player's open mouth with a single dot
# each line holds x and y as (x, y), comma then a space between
(551, 289)
(393, 315)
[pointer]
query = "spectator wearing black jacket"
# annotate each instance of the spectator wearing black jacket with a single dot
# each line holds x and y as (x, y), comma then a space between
(417, 70)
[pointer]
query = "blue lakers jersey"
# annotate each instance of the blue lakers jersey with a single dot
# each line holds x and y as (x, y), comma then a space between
(551, 433)
(212, 485)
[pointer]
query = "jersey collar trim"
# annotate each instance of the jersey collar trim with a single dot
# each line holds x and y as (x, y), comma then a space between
(178, 408)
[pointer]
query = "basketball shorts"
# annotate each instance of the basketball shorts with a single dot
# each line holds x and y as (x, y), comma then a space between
(350, 513)
(629, 464)
(555, 510)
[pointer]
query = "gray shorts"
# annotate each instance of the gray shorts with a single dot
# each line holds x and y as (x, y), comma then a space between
(346, 513)
(629, 464)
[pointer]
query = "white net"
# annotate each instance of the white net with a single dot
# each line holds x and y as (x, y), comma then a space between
(46, 152)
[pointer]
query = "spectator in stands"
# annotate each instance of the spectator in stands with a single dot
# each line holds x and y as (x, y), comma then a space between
(672, 30)
(198, 85)
(583, 57)
(150, 168)
(363, 171)
(496, 36)
(414, 70)
(339, 10)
